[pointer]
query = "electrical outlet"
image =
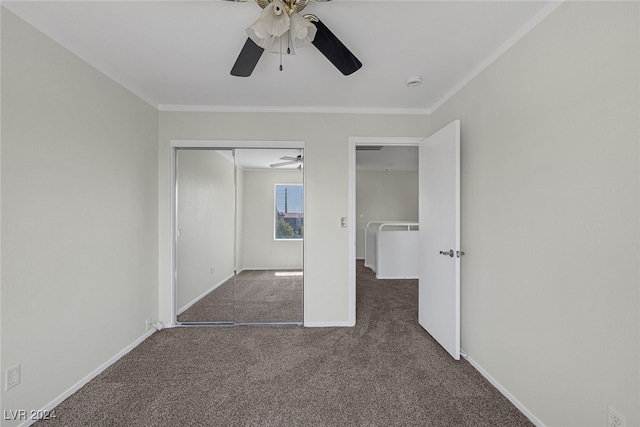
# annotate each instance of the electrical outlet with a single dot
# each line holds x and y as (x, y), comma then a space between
(147, 324)
(12, 377)
(615, 418)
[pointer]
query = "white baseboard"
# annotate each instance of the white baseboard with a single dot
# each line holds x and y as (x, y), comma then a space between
(503, 390)
(77, 386)
(394, 277)
(204, 294)
(328, 324)
(271, 268)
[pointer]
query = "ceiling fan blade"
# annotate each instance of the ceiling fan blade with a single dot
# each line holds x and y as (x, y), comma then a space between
(334, 50)
(288, 158)
(277, 165)
(247, 60)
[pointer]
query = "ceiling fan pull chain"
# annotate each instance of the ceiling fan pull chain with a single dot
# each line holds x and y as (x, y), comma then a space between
(280, 53)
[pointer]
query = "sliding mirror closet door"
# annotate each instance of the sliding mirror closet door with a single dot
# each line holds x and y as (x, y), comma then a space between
(269, 233)
(239, 236)
(205, 235)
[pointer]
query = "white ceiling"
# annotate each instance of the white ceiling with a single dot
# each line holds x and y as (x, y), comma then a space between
(260, 158)
(177, 55)
(388, 158)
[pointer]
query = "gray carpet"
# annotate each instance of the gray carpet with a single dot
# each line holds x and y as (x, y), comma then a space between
(386, 371)
(252, 296)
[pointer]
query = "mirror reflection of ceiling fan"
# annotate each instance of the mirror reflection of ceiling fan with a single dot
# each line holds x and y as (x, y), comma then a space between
(289, 160)
(281, 29)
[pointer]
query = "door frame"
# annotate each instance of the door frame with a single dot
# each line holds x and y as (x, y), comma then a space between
(214, 144)
(410, 141)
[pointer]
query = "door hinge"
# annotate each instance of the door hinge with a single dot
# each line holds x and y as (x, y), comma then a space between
(459, 253)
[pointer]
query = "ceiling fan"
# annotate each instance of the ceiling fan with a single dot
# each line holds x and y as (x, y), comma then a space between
(282, 28)
(289, 160)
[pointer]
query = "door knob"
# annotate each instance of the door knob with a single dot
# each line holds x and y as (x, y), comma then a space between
(450, 253)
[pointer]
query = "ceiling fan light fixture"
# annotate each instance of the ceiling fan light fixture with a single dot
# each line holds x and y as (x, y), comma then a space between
(283, 44)
(258, 33)
(272, 23)
(302, 31)
(277, 9)
(274, 31)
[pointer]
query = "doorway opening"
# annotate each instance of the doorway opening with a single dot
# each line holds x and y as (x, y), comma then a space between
(228, 266)
(356, 224)
(439, 248)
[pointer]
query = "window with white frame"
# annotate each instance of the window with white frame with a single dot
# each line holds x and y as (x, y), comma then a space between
(289, 211)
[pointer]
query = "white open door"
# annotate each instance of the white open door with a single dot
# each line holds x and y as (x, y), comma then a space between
(439, 204)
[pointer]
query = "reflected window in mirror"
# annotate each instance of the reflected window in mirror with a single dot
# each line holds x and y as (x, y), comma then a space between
(289, 212)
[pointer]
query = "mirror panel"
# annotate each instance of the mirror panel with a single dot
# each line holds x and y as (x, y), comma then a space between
(205, 236)
(269, 284)
(240, 230)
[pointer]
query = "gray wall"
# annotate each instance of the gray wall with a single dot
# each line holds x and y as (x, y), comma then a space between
(384, 196)
(79, 216)
(326, 178)
(550, 208)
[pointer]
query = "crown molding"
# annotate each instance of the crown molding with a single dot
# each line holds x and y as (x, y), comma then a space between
(312, 110)
(83, 54)
(522, 31)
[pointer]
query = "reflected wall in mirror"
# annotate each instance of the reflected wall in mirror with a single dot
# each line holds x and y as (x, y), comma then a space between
(205, 235)
(255, 231)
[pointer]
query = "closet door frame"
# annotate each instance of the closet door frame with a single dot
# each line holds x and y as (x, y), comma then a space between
(214, 144)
